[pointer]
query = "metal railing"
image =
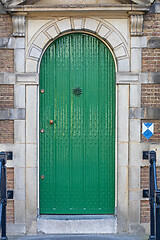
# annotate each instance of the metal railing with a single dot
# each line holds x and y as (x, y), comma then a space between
(154, 199)
(3, 194)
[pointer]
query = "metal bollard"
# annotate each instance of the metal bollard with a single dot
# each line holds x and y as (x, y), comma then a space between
(152, 155)
(157, 214)
(154, 199)
(3, 194)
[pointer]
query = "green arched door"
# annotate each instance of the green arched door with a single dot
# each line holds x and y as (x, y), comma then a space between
(77, 150)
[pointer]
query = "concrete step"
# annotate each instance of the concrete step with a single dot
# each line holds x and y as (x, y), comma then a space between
(81, 237)
(77, 224)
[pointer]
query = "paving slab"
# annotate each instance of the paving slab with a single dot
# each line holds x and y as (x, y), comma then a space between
(81, 237)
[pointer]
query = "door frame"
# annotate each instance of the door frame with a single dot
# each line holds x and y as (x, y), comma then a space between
(116, 120)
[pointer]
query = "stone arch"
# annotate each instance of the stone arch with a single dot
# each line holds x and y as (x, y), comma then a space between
(56, 27)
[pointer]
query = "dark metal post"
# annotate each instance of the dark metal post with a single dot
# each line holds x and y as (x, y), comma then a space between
(158, 215)
(3, 187)
(152, 194)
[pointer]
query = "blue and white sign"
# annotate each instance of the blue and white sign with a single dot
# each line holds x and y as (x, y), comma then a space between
(147, 129)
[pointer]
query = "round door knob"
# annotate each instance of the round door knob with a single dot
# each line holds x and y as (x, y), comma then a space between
(51, 121)
(42, 177)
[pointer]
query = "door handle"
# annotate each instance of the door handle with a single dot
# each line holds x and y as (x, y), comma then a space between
(51, 121)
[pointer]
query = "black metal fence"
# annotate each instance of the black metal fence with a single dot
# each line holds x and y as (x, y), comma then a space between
(154, 198)
(3, 193)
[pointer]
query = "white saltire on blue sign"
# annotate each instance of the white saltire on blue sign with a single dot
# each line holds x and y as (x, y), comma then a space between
(147, 129)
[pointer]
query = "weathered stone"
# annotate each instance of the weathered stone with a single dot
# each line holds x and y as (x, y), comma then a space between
(19, 131)
(81, 226)
(135, 153)
(4, 42)
(145, 113)
(19, 60)
(144, 77)
(2, 9)
(136, 60)
(16, 229)
(122, 154)
(12, 114)
(154, 42)
(123, 108)
(31, 66)
(127, 77)
(138, 42)
(19, 96)
(134, 209)
(155, 8)
(134, 182)
(27, 78)
(122, 210)
(31, 155)
(124, 65)
(137, 228)
(19, 155)
(35, 52)
(41, 40)
(155, 77)
(31, 206)
(135, 127)
(135, 95)
(31, 114)
(19, 214)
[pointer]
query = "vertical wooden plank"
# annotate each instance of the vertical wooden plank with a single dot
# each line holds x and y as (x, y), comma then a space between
(77, 152)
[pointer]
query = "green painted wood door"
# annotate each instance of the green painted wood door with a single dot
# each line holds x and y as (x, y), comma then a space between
(77, 151)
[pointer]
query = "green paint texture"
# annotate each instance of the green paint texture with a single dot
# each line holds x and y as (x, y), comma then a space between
(77, 151)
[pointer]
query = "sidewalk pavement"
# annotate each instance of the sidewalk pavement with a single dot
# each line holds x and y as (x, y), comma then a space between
(81, 237)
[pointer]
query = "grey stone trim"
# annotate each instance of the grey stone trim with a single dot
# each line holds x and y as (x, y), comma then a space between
(12, 43)
(18, 26)
(16, 229)
(154, 42)
(2, 9)
(155, 77)
(27, 78)
(123, 77)
(7, 78)
(150, 78)
(145, 113)
(155, 8)
(144, 78)
(13, 114)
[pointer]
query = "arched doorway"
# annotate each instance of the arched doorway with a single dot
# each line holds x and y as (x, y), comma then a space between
(77, 148)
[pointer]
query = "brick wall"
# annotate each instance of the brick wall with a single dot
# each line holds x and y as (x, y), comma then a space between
(150, 60)
(10, 203)
(145, 211)
(145, 208)
(6, 60)
(6, 131)
(6, 96)
(6, 102)
(10, 178)
(6, 55)
(151, 56)
(5, 25)
(10, 211)
(150, 95)
(151, 25)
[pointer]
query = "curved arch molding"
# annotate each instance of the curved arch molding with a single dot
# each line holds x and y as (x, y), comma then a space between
(55, 28)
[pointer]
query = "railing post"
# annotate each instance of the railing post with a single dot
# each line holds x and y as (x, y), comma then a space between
(3, 186)
(152, 194)
(158, 215)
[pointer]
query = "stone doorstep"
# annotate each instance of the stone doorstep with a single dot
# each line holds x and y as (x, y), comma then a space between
(90, 225)
(81, 237)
